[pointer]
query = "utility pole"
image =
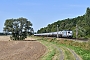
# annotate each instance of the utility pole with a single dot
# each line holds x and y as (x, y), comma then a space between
(76, 32)
(57, 31)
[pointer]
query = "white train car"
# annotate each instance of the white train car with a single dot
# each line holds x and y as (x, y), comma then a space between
(54, 34)
(67, 34)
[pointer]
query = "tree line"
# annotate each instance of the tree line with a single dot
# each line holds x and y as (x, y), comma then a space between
(82, 22)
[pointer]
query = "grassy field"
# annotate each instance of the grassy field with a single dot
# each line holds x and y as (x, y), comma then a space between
(53, 52)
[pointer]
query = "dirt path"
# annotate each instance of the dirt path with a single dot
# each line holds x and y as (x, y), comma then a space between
(61, 57)
(75, 55)
(21, 50)
(72, 54)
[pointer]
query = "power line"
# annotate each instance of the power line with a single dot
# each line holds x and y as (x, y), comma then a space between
(57, 31)
(76, 31)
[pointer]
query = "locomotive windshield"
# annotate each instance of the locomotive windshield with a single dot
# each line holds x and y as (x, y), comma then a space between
(69, 32)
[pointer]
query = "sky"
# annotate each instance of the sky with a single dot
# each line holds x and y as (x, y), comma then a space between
(41, 12)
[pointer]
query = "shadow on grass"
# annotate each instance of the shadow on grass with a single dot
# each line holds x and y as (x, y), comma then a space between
(24, 40)
(29, 40)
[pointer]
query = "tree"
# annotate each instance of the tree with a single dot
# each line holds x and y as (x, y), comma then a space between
(19, 28)
(87, 19)
(83, 23)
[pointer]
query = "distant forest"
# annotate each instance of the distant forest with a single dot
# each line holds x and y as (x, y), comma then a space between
(1, 34)
(82, 22)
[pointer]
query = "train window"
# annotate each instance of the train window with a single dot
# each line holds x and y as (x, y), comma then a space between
(69, 32)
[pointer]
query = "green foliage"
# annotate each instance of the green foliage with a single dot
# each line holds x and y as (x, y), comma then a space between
(18, 27)
(83, 23)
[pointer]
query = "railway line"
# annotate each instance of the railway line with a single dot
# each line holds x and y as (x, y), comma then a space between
(73, 39)
(65, 34)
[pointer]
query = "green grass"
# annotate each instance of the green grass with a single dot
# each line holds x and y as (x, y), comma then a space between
(50, 45)
(85, 54)
(50, 53)
(68, 54)
(77, 47)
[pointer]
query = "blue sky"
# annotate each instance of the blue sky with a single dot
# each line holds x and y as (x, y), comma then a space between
(41, 12)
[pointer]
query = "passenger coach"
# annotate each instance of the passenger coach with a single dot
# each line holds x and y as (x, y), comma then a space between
(64, 33)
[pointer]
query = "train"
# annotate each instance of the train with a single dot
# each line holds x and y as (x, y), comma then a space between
(59, 34)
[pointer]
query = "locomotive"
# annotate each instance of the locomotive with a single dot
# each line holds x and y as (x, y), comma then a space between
(65, 34)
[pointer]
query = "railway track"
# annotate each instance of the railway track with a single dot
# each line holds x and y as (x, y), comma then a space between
(73, 39)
